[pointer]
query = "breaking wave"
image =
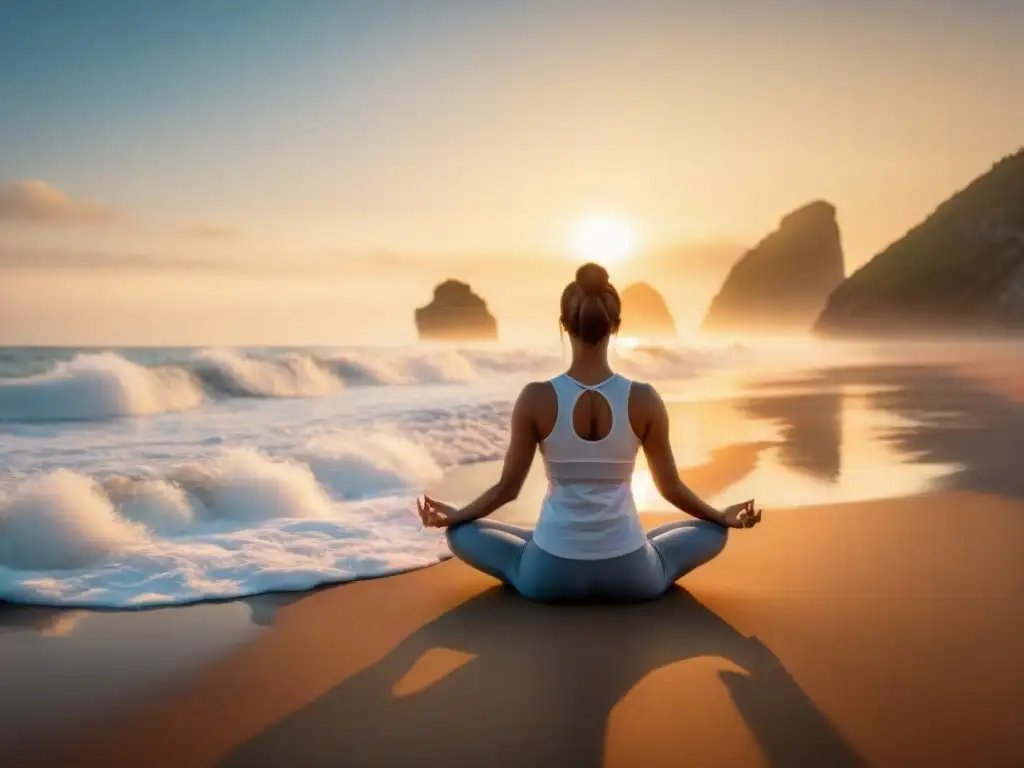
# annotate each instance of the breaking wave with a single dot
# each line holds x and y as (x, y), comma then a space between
(239, 523)
(97, 386)
(225, 372)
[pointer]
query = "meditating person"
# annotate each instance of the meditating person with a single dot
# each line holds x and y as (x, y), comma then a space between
(589, 423)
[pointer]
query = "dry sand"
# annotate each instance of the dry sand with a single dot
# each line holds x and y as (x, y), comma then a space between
(883, 633)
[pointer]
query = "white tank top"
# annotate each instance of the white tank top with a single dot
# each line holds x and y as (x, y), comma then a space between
(589, 512)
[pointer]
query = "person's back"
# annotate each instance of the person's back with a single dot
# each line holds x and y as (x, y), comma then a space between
(589, 512)
(589, 542)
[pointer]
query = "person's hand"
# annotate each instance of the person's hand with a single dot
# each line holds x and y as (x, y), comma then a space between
(742, 515)
(436, 514)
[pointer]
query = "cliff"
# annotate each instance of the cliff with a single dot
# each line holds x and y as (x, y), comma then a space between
(455, 314)
(783, 282)
(960, 270)
(644, 312)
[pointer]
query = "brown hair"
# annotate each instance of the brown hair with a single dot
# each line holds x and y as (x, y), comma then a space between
(590, 305)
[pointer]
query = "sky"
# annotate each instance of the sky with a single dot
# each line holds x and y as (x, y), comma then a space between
(254, 171)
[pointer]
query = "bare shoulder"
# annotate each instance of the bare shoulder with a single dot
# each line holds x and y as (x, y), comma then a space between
(537, 399)
(644, 396)
(537, 393)
(538, 404)
(647, 415)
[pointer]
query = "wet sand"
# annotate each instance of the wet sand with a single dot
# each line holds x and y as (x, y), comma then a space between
(62, 668)
(868, 632)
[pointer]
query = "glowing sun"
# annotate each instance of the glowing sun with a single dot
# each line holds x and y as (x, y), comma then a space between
(604, 239)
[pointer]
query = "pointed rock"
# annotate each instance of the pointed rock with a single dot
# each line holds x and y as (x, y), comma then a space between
(783, 282)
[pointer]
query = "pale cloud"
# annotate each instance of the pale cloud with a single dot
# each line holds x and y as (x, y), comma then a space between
(213, 232)
(39, 259)
(32, 201)
(27, 259)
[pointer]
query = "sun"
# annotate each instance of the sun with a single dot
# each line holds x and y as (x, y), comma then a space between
(603, 238)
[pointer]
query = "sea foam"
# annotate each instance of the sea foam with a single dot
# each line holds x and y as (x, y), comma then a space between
(239, 524)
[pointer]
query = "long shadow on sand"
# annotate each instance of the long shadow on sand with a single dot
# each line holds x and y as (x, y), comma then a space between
(538, 691)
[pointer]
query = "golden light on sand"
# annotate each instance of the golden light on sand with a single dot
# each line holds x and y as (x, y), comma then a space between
(603, 238)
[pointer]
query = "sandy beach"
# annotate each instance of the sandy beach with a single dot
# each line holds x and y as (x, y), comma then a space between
(872, 629)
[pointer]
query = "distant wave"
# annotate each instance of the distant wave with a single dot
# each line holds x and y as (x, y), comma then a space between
(97, 386)
(226, 372)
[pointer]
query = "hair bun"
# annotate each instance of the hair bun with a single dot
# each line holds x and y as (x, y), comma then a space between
(592, 278)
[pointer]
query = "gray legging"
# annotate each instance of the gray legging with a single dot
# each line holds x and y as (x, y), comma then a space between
(509, 554)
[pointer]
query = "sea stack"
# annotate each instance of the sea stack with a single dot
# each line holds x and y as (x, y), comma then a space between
(961, 270)
(782, 284)
(455, 314)
(644, 312)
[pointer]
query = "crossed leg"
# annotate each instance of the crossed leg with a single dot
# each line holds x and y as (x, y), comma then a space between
(686, 544)
(489, 546)
(496, 548)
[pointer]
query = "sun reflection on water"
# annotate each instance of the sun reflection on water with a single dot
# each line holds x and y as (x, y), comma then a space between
(823, 448)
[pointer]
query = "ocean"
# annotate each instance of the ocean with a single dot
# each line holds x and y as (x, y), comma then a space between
(141, 477)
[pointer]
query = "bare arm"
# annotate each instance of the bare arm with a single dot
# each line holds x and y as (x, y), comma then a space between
(518, 458)
(662, 462)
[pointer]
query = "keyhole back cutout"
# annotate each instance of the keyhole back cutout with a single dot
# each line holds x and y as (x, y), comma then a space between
(592, 416)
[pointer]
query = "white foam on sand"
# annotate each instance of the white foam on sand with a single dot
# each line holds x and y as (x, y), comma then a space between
(239, 524)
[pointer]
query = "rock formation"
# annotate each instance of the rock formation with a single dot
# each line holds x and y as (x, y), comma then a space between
(455, 314)
(960, 270)
(644, 312)
(783, 282)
